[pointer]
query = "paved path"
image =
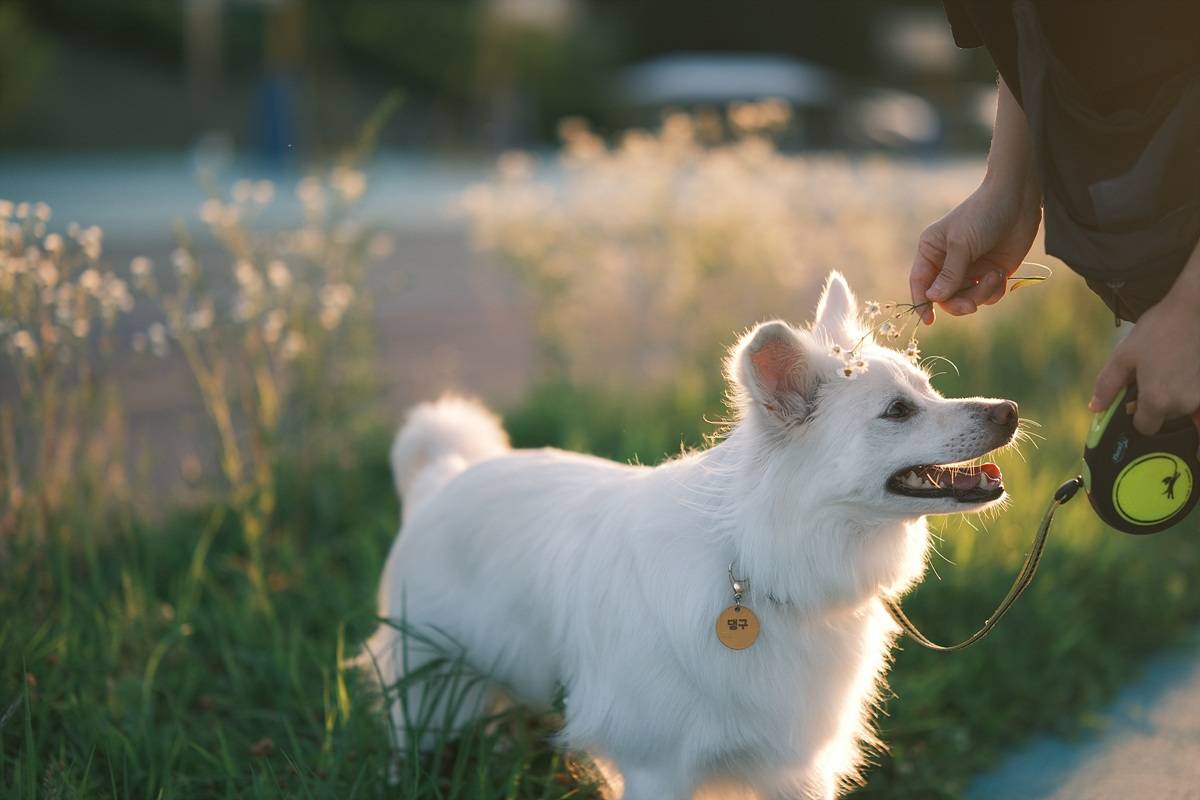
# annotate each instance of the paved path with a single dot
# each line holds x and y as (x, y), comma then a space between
(1147, 746)
(139, 198)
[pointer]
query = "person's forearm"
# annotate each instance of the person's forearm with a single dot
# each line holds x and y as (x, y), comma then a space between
(1185, 292)
(1010, 160)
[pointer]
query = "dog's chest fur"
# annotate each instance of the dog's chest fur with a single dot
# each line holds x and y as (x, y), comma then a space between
(802, 692)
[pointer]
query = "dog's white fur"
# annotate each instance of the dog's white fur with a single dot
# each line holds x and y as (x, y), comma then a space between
(554, 569)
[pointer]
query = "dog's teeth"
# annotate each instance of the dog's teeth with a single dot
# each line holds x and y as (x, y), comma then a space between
(984, 481)
(912, 481)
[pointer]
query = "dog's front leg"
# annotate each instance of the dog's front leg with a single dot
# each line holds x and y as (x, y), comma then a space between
(654, 783)
(802, 785)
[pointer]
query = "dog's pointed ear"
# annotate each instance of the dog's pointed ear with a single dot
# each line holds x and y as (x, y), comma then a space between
(773, 370)
(837, 312)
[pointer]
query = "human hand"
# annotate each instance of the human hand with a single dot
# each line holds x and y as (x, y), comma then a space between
(1163, 353)
(964, 259)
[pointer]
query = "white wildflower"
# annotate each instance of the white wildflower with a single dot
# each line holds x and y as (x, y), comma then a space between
(157, 335)
(47, 272)
(211, 211)
(91, 240)
(349, 183)
(185, 265)
(89, 280)
(25, 344)
(293, 346)
(273, 325)
(114, 296)
(264, 192)
(311, 194)
(247, 277)
(335, 299)
(53, 243)
(141, 267)
(913, 351)
(201, 319)
(64, 307)
(278, 275)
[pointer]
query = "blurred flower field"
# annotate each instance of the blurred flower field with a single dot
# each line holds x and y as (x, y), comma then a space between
(198, 650)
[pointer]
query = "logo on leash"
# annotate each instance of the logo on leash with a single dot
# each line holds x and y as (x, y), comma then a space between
(1169, 483)
(1153, 488)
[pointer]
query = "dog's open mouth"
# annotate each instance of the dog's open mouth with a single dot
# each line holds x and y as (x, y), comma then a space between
(979, 483)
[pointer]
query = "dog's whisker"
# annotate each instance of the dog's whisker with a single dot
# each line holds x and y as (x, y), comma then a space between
(953, 366)
(1030, 436)
(938, 552)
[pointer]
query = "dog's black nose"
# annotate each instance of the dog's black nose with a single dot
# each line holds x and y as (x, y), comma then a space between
(1004, 414)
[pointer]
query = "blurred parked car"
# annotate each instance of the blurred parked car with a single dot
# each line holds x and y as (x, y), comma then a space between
(694, 80)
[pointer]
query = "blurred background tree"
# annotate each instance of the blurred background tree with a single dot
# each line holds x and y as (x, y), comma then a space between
(488, 74)
(24, 55)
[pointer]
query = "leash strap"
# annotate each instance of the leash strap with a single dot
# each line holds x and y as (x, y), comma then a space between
(1020, 584)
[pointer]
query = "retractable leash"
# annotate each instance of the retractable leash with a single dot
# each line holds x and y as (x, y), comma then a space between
(1137, 484)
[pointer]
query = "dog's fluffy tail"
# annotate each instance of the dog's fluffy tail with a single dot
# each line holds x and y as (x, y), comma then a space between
(438, 441)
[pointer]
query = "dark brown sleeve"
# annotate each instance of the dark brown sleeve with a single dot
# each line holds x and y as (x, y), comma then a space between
(961, 24)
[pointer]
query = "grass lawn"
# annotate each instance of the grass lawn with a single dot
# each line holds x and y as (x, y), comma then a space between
(135, 660)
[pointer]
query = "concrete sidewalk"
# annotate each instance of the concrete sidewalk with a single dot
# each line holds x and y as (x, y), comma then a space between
(1146, 748)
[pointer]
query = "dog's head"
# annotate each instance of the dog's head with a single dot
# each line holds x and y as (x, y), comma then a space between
(881, 440)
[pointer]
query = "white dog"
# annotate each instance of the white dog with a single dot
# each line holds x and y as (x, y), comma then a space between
(553, 569)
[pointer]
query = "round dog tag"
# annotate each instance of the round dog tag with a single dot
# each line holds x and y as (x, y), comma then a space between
(737, 627)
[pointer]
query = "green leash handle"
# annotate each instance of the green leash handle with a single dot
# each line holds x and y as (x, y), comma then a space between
(1020, 584)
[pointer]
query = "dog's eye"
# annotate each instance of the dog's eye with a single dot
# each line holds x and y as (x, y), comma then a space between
(899, 409)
